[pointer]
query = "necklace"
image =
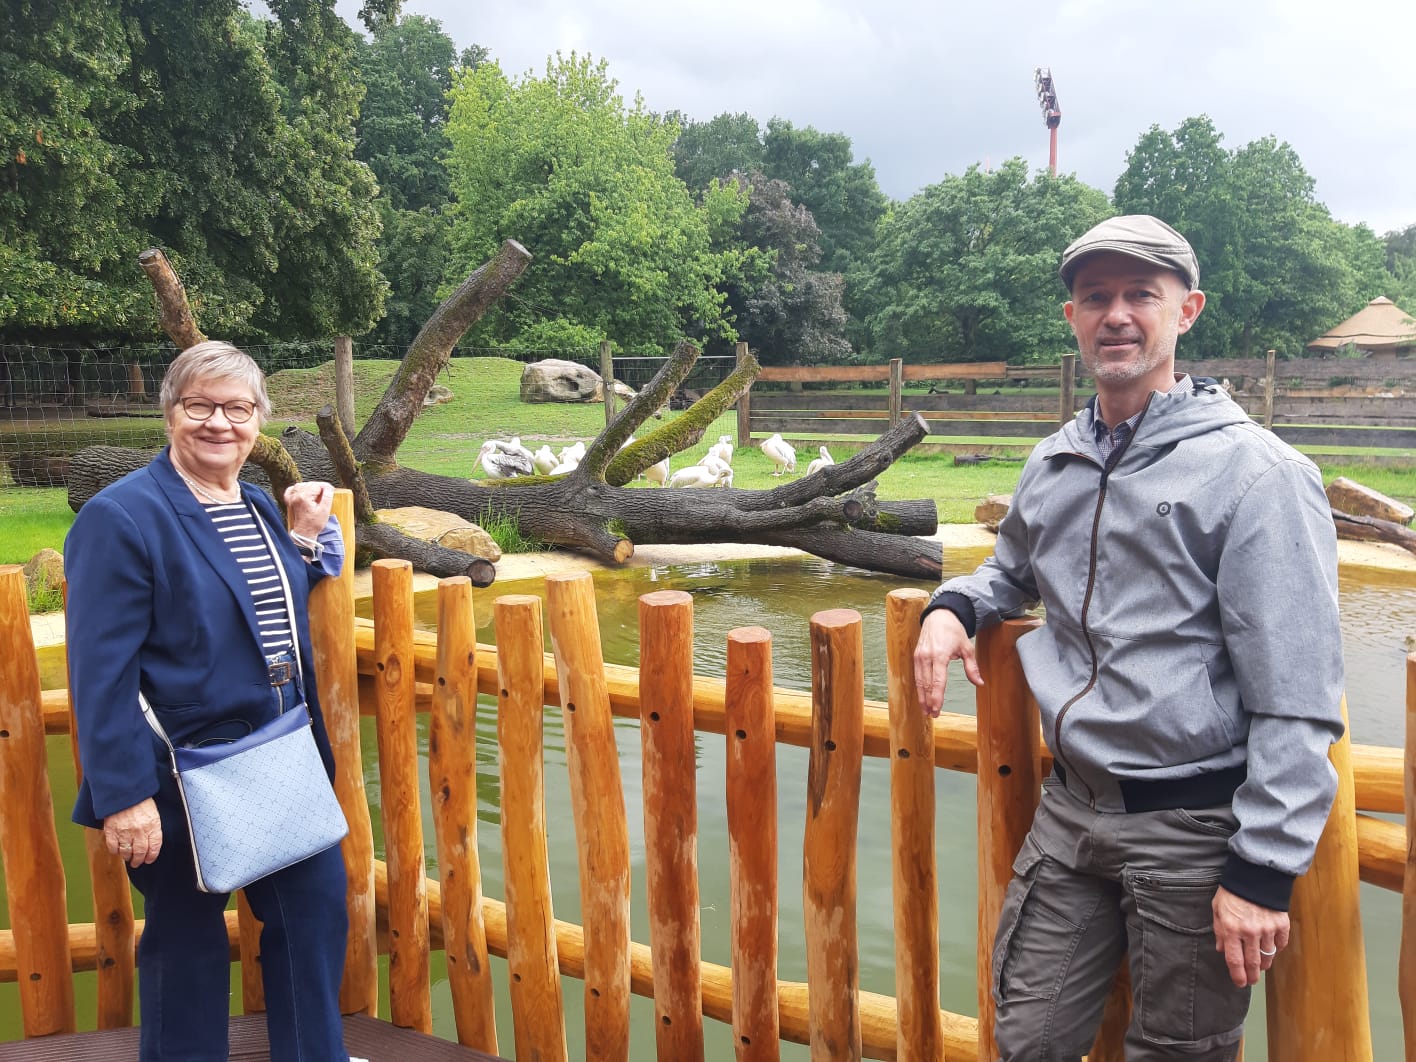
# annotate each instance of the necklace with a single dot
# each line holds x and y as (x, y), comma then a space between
(205, 494)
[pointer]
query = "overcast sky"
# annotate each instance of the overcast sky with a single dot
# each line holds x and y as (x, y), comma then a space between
(926, 89)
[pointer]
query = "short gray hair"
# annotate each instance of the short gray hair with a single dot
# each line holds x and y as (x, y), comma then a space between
(213, 359)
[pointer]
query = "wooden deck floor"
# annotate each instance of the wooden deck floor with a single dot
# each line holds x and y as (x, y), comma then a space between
(363, 1036)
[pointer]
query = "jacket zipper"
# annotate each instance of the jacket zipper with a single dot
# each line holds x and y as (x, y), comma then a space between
(1112, 462)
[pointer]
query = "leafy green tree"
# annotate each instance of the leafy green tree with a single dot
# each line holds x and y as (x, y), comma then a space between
(561, 164)
(1399, 283)
(716, 149)
(966, 269)
(842, 195)
(784, 308)
(1278, 270)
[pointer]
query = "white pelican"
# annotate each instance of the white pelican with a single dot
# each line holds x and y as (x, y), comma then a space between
(574, 452)
(780, 453)
(714, 465)
(567, 466)
(544, 460)
(821, 462)
(698, 476)
(658, 473)
(723, 449)
(498, 463)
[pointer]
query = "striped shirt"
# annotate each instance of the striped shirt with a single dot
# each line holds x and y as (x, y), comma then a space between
(236, 524)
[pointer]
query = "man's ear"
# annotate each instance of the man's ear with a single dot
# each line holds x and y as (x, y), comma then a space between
(1068, 309)
(1190, 308)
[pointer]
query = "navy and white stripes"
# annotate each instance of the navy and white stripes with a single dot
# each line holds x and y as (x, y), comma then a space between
(236, 524)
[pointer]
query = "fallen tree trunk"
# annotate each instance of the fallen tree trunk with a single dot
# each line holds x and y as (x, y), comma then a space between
(1373, 529)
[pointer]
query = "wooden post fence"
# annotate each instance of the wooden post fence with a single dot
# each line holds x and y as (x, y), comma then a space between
(1067, 391)
(897, 389)
(744, 404)
(1406, 980)
(344, 383)
(1270, 386)
(607, 377)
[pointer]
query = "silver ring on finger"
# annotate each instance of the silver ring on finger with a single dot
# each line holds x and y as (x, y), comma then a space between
(1268, 954)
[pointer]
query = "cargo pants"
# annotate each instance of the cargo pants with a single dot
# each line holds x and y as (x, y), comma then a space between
(1087, 886)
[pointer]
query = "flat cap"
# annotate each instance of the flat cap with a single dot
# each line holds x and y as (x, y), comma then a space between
(1139, 236)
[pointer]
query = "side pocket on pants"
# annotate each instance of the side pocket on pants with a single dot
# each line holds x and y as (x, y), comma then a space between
(1185, 996)
(1025, 869)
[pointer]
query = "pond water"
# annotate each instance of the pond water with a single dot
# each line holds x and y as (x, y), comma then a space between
(1379, 614)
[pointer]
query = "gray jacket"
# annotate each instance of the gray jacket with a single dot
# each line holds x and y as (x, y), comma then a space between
(1191, 622)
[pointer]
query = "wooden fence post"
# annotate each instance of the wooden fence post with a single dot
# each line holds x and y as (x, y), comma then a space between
(607, 376)
(920, 1032)
(29, 845)
(1406, 967)
(537, 1011)
(752, 843)
(336, 666)
(1009, 783)
(1270, 386)
(249, 944)
(744, 404)
(897, 389)
(409, 991)
(344, 383)
(1317, 987)
(597, 801)
(1067, 398)
(671, 819)
(828, 889)
(452, 772)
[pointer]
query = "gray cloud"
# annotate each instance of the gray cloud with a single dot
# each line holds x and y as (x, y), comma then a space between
(925, 90)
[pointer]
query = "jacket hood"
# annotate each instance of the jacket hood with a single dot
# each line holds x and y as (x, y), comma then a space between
(1168, 418)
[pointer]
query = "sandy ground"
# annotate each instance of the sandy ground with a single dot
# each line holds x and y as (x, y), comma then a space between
(49, 629)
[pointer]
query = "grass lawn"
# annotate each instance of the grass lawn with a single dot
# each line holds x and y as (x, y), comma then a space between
(486, 404)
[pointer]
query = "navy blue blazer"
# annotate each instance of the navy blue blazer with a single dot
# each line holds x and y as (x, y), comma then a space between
(157, 602)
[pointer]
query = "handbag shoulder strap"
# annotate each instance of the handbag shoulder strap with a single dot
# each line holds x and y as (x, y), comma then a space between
(151, 717)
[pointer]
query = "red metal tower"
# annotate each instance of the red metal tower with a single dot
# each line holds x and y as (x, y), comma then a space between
(1051, 112)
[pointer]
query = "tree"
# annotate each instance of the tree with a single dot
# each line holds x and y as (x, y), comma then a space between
(966, 269)
(785, 309)
(1278, 270)
(559, 163)
(1399, 283)
(716, 149)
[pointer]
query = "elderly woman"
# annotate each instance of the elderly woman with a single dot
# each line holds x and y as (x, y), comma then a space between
(174, 593)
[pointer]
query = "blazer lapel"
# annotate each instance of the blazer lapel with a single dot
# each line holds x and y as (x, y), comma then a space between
(205, 537)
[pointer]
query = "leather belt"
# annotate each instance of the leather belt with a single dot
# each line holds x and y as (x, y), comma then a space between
(281, 673)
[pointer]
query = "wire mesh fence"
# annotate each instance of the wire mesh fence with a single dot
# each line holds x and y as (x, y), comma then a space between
(55, 401)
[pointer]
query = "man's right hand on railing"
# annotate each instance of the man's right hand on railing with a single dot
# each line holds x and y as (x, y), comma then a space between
(942, 638)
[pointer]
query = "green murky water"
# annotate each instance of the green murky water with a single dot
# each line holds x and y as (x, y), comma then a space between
(1379, 614)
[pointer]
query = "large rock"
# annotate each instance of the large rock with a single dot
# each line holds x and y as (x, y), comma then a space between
(554, 380)
(992, 510)
(1349, 496)
(45, 571)
(444, 529)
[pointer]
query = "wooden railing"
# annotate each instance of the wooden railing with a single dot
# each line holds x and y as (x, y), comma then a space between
(1296, 399)
(1316, 991)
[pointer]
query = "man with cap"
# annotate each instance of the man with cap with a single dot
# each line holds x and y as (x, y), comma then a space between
(1189, 676)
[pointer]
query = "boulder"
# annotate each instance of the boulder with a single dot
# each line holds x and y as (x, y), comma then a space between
(991, 512)
(1349, 496)
(437, 395)
(622, 390)
(554, 380)
(45, 570)
(445, 529)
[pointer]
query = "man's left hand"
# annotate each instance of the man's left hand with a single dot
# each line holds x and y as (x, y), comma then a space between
(307, 507)
(1248, 935)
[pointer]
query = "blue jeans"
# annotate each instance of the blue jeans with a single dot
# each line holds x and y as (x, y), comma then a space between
(184, 967)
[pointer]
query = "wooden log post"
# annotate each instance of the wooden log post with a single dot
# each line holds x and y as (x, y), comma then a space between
(249, 943)
(452, 772)
(607, 378)
(671, 819)
(1270, 386)
(829, 848)
(1067, 391)
(409, 993)
(1009, 781)
(114, 940)
(137, 385)
(29, 845)
(597, 804)
(915, 888)
(1406, 966)
(897, 389)
(1317, 987)
(336, 666)
(344, 383)
(751, 792)
(537, 1011)
(744, 404)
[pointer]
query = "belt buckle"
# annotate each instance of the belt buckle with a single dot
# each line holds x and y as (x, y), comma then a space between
(279, 673)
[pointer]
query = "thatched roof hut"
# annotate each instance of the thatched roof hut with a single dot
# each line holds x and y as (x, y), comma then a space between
(1381, 329)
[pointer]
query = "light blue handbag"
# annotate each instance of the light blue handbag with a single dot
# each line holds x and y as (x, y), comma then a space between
(261, 803)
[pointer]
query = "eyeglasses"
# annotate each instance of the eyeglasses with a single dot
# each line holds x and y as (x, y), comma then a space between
(237, 412)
